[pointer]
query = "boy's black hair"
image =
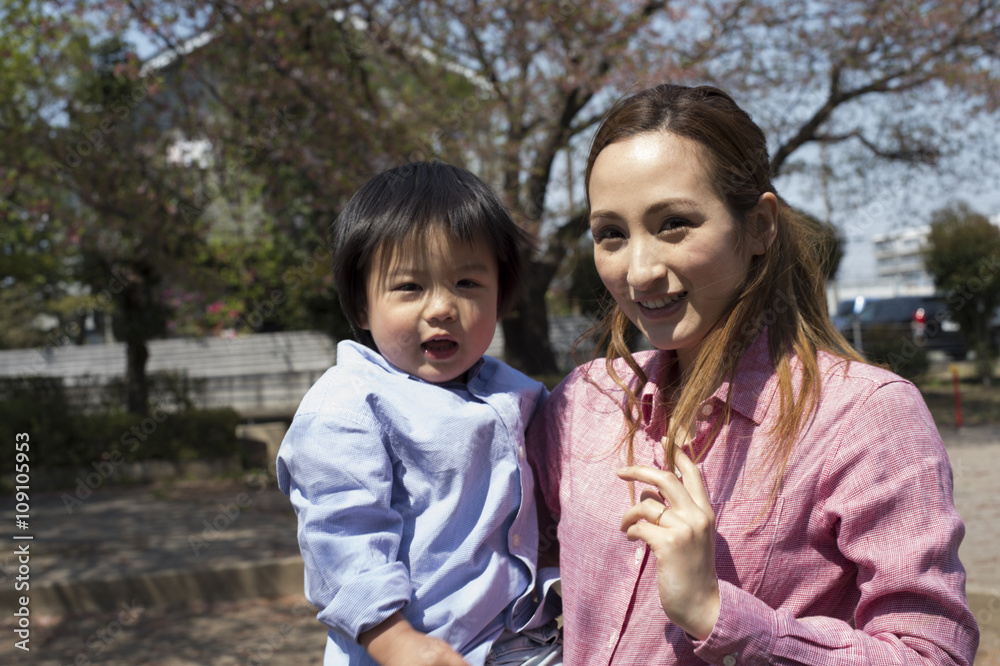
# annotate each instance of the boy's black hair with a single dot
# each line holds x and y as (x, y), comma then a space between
(414, 197)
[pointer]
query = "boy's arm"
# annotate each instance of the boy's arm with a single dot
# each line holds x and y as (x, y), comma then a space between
(338, 474)
(395, 642)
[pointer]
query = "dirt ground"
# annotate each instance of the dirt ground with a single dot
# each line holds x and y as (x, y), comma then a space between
(275, 632)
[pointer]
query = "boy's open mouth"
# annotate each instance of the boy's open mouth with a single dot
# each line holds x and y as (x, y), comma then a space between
(439, 348)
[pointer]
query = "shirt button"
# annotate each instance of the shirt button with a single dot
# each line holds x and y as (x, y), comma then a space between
(638, 555)
(520, 452)
(706, 410)
(729, 660)
(516, 540)
(613, 639)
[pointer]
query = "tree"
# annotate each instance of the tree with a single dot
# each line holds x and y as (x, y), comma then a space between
(131, 228)
(33, 268)
(297, 109)
(426, 84)
(875, 82)
(86, 173)
(553, 70)
(963, 256)
(146, 219)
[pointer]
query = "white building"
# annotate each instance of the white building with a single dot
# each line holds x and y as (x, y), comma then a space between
(898, 255)
(898, 264)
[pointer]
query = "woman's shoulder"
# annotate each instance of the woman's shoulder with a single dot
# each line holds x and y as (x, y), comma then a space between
(871, 398)
(837, 369)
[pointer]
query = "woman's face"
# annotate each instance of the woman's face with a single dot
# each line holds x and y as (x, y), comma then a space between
(665, 245)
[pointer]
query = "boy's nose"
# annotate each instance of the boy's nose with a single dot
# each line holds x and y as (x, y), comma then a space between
(442, 307)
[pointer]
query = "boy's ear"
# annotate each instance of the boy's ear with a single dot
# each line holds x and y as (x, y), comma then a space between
(363, 320)
(765, 223)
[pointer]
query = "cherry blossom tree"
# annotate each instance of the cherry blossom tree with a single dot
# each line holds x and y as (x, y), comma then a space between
(848, 92)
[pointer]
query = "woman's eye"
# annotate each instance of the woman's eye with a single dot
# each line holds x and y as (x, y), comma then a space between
(672, 223)
(607, 233)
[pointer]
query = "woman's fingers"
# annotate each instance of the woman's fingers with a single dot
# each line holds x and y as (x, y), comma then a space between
(657, 478)
(682, 538)
(686, 495)
(693, 481)
(649, 510)
(675, 490)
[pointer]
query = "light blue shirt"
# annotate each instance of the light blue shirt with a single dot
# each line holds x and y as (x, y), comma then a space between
(416, 497)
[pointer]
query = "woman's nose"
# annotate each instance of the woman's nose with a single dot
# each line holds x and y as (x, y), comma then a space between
(646, 265)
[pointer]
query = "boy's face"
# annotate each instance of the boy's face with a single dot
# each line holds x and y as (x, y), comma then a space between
(432, 305)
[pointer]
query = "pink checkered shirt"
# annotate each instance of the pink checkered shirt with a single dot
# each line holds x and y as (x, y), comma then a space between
(855, 563)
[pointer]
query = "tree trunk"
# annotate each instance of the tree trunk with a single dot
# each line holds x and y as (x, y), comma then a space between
(136, 387)
(139, 318)
(526, 327)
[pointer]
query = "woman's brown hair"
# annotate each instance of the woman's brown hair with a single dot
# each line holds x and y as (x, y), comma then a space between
(784, 291)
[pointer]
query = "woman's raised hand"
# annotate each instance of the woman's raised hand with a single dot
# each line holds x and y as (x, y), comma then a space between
(679, 527)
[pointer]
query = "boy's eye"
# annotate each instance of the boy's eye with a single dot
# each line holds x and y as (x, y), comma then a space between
(407, 286)
(467, 284)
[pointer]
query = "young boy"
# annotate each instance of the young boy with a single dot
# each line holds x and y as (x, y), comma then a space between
(405, 462)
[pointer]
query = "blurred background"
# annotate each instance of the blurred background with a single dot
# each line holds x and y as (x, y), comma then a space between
(169, 171)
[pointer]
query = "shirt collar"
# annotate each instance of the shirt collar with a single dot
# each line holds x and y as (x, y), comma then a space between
(349, 351)
(652, 405)
(752, 391)
(755, 382)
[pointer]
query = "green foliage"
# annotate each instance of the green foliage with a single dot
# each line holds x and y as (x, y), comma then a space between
(963, 256)
(64, 436)
(35, 249)
(190, 434)
(38, 406)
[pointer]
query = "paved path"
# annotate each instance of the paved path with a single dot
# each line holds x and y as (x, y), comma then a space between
(153, 543)
(975, 462)
(200, 572)
(209, 572)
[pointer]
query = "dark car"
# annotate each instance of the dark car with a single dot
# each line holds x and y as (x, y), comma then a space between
(923, 320)
(843, 316)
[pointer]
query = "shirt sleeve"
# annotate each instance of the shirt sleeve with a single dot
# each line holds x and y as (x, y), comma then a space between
(888, 500)
(338, 473)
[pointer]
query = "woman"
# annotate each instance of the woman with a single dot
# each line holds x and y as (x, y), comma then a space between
(751, 492)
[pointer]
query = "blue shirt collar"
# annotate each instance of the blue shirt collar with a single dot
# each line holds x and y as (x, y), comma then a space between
(349, 350)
